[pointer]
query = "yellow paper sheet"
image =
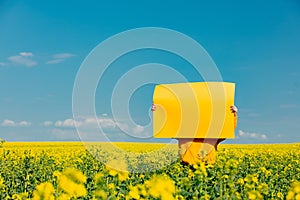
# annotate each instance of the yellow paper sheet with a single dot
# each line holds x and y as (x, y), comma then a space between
(194, 110)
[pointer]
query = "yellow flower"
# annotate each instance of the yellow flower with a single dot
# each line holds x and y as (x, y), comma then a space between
(160, 186)
(74, 175)
(22, 196)
(142, 190)
(71, 188)
(238, 195)
(43, 191)
(254, 195)
(248, 178)
(294, 191)
(280, 195)
(100, 194)
(200, 168)
(263, 188)
(290, 195)
(241, 181)
(134, 192)
(225, 176)
(111, 186)
(191, 174)
(98, 178)
(2, 186)
(179, 197)
(268, 173)
(123, 175)
(205, 197)
(56, 174)
(71, 181)
(263, 169)
(297, 189)
(255, 179)
(63, 197)
(117, 168)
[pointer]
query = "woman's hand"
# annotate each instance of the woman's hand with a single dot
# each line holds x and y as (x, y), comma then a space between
(233, 109)
(153, 107)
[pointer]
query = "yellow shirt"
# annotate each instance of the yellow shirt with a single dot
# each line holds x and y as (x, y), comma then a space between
(195, 150)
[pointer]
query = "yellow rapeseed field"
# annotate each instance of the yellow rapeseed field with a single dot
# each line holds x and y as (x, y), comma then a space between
(70, 170)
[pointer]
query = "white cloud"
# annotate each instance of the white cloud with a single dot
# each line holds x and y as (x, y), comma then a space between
(47, 123)
(68, 123)
(263, 136)
(24, 123)
(138, 129)
(89, 124)
(8, 122)
(26, 54)
(243, 134)
(58, 58)
(27, 59)
(24, 58)
(107, 123)
(88, 128)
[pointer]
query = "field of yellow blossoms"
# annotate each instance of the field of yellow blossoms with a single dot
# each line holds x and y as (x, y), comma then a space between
(69, 171)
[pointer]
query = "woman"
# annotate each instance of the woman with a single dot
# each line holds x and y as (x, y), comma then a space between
(195, 150)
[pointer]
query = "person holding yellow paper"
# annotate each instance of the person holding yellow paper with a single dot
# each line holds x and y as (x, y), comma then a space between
(194, 150)
(199, 115)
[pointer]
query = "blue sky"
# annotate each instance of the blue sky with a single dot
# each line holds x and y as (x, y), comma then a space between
(43, 44)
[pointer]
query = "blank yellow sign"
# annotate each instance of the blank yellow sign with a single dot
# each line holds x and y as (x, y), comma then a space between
(194, 110)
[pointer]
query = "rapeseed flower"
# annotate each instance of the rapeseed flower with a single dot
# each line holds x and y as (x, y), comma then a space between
(160, 186)
(71, 181)
(2, 186)
(240, 181)
(134, 192)
(44, 191)
(117, 168)
(100, 194)
(254, 194)
(294, 191)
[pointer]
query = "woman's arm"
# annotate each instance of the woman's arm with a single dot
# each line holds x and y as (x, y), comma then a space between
(234, 110)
